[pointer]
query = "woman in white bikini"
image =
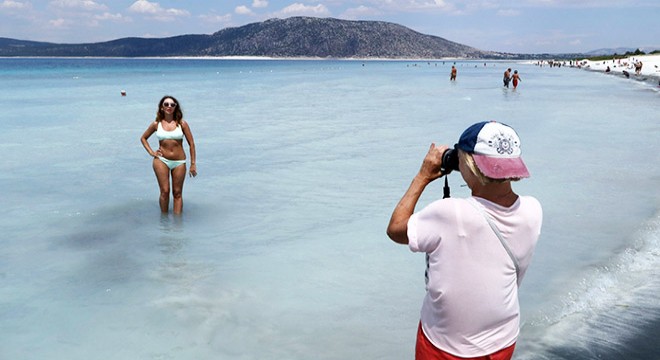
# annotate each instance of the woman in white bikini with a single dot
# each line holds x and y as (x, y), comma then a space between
(170, 158)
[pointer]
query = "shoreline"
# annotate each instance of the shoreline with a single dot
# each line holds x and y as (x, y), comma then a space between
(650, 72)
(269, 58)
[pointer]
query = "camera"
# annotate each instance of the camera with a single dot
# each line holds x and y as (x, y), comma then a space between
(449, 161)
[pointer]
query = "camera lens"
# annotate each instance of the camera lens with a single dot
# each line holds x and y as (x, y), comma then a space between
(449, 161)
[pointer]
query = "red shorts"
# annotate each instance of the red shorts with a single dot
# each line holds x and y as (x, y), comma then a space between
(425, 350)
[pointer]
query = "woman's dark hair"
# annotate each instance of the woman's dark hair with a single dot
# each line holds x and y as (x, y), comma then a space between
(178, 113)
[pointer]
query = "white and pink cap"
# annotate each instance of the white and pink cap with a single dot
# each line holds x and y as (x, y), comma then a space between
(495, 148)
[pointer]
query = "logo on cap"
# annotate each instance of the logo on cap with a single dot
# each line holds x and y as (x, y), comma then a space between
(503, 144)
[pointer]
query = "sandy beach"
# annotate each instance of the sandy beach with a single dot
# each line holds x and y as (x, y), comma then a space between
(650, 71)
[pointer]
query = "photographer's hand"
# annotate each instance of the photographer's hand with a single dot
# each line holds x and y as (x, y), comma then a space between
(432, 163)
(397, 229)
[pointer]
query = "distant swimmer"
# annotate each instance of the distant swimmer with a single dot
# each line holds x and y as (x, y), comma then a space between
(515, 79)
(170, 158)
(507, 77)
(452, 77)
(123, 93)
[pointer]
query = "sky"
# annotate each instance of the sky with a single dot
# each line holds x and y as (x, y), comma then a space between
(515, 26)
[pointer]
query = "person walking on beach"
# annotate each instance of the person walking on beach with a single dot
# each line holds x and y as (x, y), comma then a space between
(452, 77)
(170, 158)
(507, 77)
(477, 248)
(515, 78)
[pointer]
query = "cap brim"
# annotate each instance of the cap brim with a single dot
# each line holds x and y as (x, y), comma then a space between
(501, 168)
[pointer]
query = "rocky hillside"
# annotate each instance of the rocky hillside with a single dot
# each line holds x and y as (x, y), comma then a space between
(292, 37)
(314, 37)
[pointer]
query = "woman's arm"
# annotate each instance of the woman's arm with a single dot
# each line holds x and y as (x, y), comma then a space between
(191, 143)
(144, 139)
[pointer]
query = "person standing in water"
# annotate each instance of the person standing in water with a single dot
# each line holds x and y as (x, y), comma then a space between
(169, 160)
(477, 248)
(452, 77)
(515, 78)
(507, 77)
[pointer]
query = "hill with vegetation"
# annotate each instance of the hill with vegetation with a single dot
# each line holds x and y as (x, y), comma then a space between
(279, 38)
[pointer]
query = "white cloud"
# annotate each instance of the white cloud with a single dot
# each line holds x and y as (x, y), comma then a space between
(414, 6)
(145, 7)
(14, 5)
(243, 10)
(58, 23)
(79, 4)
(298, 9)
(404, 5)
(259, 3)
(359, 12)
(157, 12)
(112, 17)
(435, 4)
(177, 12)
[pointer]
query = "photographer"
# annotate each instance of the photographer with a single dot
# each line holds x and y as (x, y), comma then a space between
(477, 248)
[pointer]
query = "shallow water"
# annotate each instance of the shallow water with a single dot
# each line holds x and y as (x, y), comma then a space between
(281, 249)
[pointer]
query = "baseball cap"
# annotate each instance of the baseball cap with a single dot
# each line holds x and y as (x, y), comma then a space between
(495, 148)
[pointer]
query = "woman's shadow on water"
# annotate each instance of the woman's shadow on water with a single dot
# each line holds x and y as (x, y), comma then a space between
(171, 243)
(118, 245)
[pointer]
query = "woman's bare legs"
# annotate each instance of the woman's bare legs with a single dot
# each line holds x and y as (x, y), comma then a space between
(163, 176)
(178, 176)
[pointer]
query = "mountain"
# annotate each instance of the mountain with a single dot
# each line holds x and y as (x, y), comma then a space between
(9, 43)
(281, 38)
(314, 37)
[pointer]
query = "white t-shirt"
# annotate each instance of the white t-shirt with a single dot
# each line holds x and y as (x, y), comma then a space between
(471, 306)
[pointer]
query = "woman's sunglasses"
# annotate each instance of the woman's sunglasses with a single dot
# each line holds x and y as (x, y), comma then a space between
(169, 104)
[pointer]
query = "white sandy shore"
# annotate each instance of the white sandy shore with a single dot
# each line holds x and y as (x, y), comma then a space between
(650, 67)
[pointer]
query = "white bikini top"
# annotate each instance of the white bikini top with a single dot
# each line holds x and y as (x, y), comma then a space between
(162, 134)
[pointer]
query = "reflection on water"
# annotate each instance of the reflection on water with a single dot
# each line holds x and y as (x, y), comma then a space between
(172, 242)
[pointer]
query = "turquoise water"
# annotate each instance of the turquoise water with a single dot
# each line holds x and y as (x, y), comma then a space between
(281, 251)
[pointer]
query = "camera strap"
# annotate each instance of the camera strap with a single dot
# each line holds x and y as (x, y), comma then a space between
(499, 236)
